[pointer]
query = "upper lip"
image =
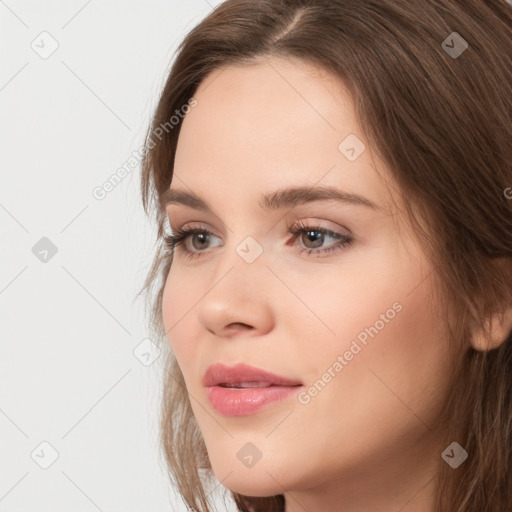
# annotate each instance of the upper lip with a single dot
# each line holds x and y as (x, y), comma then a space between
(219, 373)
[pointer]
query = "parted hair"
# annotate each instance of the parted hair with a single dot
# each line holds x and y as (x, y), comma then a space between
(443, 125)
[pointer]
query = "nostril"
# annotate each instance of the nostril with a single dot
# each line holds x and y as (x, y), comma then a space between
(239, 326)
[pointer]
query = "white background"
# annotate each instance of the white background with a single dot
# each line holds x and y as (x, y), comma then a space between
(68, 326)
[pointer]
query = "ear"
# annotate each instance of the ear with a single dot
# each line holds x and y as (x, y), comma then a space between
(496, 332)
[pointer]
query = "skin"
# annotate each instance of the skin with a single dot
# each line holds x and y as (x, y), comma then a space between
(365, 442)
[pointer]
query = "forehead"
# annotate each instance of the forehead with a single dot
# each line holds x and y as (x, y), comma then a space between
(272, 124)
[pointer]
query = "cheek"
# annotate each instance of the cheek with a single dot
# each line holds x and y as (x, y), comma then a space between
(394, 367)
(393, 348)
(383, 399)
(414, 357)
(345, 303)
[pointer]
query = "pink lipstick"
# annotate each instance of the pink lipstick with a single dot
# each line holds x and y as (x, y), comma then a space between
(242, 390)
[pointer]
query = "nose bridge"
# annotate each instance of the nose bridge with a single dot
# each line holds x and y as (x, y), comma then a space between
(238, 293)
(244, 240)
(245, 260)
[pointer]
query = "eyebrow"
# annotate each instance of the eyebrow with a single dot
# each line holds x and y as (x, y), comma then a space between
(283, 198)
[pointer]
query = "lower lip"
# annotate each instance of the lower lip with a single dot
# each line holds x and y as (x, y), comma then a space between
(245, 401)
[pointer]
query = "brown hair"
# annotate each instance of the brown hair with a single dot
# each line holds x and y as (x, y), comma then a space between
(442, 123)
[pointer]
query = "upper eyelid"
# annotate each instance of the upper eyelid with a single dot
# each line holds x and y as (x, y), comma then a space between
(191, 224)
(298, 225)
(308, 221)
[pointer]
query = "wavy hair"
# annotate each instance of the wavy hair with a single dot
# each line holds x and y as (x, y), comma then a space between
(443, 125)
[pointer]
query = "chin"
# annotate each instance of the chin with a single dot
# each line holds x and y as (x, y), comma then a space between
(253, 481)
(252, 487)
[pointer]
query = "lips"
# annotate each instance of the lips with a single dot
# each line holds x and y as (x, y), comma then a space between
(244, 376)
(242, 390)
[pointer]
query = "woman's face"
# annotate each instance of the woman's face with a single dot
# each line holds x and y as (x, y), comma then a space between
(351, 322)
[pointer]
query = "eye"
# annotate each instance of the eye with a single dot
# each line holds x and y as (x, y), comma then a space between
(183, 234)
(313, 238)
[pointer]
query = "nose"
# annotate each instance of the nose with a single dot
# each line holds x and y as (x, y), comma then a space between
(238, 301)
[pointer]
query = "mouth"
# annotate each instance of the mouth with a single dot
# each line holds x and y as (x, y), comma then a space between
(243, 390)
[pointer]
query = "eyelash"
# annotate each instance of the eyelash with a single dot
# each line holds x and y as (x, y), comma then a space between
(344, 241)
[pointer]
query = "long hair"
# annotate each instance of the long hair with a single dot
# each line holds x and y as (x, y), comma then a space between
(442, 122)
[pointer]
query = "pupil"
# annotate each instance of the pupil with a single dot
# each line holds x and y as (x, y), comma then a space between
(203, 236)
(315, 238)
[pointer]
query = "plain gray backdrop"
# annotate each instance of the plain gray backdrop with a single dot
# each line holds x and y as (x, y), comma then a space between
(79, 396)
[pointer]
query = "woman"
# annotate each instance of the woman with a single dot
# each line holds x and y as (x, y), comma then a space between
(334, 174)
